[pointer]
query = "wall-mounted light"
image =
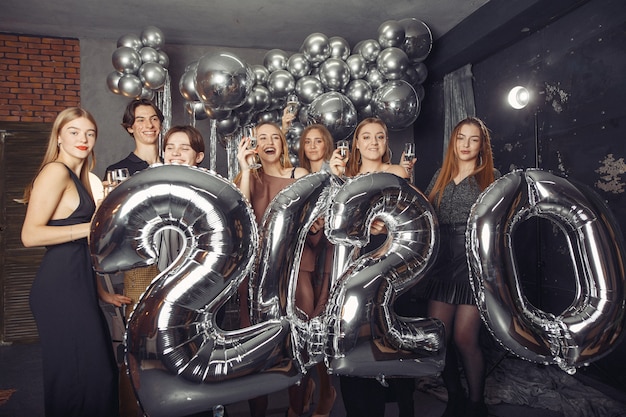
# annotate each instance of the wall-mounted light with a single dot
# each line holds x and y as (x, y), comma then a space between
(519, 97)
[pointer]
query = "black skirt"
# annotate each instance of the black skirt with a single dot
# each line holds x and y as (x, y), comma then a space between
(449, 280)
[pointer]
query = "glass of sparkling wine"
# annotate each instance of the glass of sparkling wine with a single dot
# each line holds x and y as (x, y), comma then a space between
(344, 148)
(249, 132)
(293, 104)
(115, 177)
(409, 151)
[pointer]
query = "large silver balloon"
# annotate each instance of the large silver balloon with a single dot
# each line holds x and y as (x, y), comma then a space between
(357, 65)
(152, 75)
(153, 37)
(316, 48)
(275, 59)
(130, 86)
(298, 65)
(130, 40)
(392, 63)
(180, 362)
(339, 48)
(334, 74)
(369, 49)
(126, 60)
(281, 83)
(391, 34)
(359, 92)
(164, 59)
(366, 337)
(396, 103)
(374, 78)
(418, 40)
(308, 88)
(335, 111)
(589, 328)
(223, 80)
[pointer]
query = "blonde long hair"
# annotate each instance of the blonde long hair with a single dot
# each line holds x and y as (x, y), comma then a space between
(284, 153)
(52, 152)
(483, 172)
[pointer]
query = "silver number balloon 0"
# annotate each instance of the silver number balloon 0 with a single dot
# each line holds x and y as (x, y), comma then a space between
(590, 327)
(365, 336)
(179, 360)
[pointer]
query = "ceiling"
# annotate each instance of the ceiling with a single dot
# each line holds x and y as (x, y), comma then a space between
(282, 24)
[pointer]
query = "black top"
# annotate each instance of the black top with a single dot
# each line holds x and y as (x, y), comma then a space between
(132, 162)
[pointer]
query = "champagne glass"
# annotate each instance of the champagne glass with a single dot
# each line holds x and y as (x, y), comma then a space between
(344, 148)
(293, 104)
(248, 131)
(115, 177)
(409, 151)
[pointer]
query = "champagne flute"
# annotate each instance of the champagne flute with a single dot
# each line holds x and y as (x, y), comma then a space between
(115, 177)
(344, 148)
(248, 131)
(409, 155)
(293, 104)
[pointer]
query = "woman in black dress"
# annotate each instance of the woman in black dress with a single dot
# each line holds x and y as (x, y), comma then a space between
(80, 374)
(466, 171)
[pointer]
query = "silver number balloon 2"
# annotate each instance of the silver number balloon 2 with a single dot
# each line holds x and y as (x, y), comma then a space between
(590, 327)
(180, 361)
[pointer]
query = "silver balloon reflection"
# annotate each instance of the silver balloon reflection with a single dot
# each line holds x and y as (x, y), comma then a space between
(180, 362)
(589, 328)
(366, 337)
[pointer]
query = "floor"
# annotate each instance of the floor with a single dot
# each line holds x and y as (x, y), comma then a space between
(515, 388)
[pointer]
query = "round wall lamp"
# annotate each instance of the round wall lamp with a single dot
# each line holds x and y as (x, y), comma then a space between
(519, 97)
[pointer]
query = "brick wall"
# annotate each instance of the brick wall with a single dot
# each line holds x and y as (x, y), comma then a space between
(39, 77)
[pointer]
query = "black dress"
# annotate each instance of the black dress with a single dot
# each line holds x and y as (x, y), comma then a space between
(79, 370)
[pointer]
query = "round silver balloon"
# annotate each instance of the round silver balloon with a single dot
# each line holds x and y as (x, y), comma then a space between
(261, 74)
(130, 40)
(392, 63)
(196, 109)
(339, 48)
(113, 81)
(223, 80)
(375, 78)
(334, 74)
(308, 88)
(361, 301)
(396, 103)
(418, 39)
(187, 85)
(270, 116)
(173, 342)
(281, 83)
(589, 328)
(147, 93)
(357, 65)
(130, 86)
(316, 48)
(164, 59)
(391, 34)
(228, 125)
(247, 105)
(126, 60)
(359, 92)
(152, 75)
(421, 71)
(148, 54)
(335, 111)
(275, 59)
(262, 98)
(298, 65)
(370, 49)
(153, 37)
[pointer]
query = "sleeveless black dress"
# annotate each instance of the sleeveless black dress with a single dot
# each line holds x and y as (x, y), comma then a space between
(79, 369)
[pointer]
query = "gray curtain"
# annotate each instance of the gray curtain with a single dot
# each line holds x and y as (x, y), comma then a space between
(458, 98)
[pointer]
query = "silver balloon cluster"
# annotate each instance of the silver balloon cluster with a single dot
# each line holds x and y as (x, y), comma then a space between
(140, 64)
(335, 85)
